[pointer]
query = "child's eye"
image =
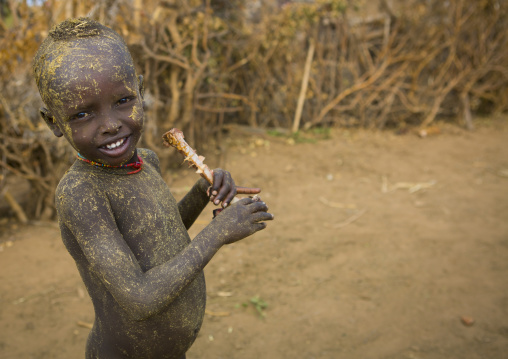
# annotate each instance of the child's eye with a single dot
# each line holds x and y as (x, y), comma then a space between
(79, 115)
(124, 100)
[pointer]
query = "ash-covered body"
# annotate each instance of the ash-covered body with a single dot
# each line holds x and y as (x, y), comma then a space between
(102, 210)
(117, 216)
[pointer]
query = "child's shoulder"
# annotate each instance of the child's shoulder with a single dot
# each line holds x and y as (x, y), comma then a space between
(150, 157)
(77, 179)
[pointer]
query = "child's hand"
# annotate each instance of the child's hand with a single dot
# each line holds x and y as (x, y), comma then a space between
(223, 188)
(241, 219)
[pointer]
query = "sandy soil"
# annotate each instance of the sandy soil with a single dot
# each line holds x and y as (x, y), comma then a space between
(384, 246)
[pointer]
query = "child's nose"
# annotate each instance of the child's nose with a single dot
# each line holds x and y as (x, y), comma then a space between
(111, 125)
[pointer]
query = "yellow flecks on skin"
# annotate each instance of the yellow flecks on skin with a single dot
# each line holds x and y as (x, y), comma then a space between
(96, 86)
(121, 74)
(135, 113)
(57, 75)
(94, 66)
(53, 64)
(54, 79)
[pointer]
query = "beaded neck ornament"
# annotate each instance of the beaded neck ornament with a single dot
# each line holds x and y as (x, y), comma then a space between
(137, 166)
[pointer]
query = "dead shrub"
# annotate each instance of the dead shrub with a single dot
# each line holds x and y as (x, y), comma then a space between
(212, 64)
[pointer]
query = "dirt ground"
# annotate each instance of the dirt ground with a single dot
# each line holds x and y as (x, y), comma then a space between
(383, 246)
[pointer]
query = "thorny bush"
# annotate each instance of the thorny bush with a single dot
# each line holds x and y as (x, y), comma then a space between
(209, 65)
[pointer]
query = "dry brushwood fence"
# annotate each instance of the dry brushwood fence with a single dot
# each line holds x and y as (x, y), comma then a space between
(210, 65)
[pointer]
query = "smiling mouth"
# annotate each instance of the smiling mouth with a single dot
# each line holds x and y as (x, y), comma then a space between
(112, 146)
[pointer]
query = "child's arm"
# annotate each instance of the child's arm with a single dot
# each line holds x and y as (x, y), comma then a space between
(223, 190)
(142, 294)
(190, 207)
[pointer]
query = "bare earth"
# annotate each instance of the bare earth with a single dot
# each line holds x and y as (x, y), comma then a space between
(383, 247)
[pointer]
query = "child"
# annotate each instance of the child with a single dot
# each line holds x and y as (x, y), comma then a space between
(117, 216)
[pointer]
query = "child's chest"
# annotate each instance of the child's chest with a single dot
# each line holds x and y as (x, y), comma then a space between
(147, 215)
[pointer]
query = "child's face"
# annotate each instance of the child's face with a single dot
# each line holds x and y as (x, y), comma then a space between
(96, 102)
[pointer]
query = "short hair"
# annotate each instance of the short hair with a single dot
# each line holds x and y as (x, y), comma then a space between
(58, 38)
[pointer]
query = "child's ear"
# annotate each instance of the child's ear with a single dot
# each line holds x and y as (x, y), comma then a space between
(50, 121)
(141, 83)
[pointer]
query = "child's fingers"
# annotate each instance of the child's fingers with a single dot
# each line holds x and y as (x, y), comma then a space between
(229, 197)
(259, 226)
(218, 176)
(227, 190)
(258, 206)
(245, 201)
(261, 217)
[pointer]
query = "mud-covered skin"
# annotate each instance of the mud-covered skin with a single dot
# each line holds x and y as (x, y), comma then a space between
(96, 103)
(129, 239)
(125, 231)
(118, 227)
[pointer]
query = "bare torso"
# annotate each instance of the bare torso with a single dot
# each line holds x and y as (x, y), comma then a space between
(146, 215)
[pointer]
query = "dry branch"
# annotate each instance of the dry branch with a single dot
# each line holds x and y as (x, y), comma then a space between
(351, 219)
(203, 74)
(15, 207)
(303, 91)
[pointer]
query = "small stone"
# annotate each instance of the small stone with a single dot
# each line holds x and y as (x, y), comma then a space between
(467, 321)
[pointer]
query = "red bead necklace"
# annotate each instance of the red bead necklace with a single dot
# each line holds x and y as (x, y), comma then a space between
(137, 166)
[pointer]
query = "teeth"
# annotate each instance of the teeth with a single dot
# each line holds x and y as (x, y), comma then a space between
(116, 144)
